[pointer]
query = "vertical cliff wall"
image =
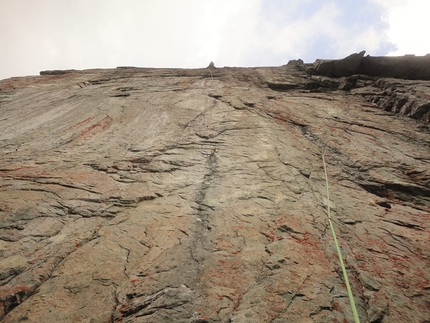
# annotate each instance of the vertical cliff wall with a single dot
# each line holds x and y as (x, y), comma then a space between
(168, 195)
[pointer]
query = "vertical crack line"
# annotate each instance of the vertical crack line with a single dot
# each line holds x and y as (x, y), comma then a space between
(198, 249)
(126, 259)
(296, 292)
(208, 178)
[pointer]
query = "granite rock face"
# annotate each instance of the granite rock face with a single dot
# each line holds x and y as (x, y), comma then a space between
(168, 195)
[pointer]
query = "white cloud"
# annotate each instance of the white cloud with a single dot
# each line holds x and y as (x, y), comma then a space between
(308, 31)
(369, 39)
(239, 36)
(296, 37)
(408, 25)
(52, 34)
(389, 4)
(106, 33)
(225, 29)
(253, 37)
(410, 28)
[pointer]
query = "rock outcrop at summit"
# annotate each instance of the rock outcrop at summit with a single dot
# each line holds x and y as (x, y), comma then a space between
(176, 195)
(409, 67)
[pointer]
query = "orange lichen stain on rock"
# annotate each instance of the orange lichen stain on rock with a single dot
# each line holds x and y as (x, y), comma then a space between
(79, 123)
(229, 243)
(238, 302)
(377, 245)
(228, 275)
(269, 234)
(15, 168)
(312, 246)
(223, 244)
(202, 316)
(294, 223)
(275, 305)
(185, 85)
(281, 116)
(240, 227)
(309, 241)
(124, 308)
(93, 129)
(335, 320)
(399, 259)
(90, 179)
(90, 130)
(336, 306)
(24, 171)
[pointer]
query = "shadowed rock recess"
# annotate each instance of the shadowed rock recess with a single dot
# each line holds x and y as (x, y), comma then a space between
(198, 195)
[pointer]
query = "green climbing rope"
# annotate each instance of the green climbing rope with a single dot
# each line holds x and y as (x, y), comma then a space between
(345, 275)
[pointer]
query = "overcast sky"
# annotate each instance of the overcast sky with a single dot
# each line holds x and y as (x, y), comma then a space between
(39, 35)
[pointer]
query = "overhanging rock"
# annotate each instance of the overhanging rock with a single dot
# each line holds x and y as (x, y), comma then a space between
(409, 67)
(339, 67)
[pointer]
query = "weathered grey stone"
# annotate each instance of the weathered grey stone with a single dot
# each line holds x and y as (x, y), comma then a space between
(55, 72)
(176, 195)
(408, 67)
(404, 67)
(340, 67)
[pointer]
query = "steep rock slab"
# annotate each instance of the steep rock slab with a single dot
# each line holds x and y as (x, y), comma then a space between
(167, 195)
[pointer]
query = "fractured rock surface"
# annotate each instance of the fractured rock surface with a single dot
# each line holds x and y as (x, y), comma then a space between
(169, 195)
